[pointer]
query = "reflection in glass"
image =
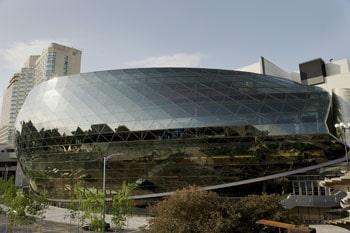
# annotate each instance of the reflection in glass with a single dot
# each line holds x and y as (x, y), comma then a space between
(170, 127)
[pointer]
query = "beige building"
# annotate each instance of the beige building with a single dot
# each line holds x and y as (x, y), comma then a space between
(8, 113)
(13, 99)
(55, 61)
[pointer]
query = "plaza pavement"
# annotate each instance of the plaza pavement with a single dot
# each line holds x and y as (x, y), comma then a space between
(61, 215)
(329, 229)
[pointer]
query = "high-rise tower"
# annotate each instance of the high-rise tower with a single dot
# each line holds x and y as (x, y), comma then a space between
(55, 61)
(13, 99)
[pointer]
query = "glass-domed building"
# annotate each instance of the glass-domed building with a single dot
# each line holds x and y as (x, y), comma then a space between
(167, 128)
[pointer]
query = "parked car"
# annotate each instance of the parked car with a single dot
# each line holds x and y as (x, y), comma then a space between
(87, 227)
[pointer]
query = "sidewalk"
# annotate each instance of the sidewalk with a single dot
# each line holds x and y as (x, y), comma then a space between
(329, 229)
(60, 215)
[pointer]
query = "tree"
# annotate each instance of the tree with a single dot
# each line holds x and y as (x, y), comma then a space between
(255, 207)
(74, 206)
(193, 210)
(91, 204)
(122, 205)
(16, 213)
(22, 208)
(8, 191)
(37, 205)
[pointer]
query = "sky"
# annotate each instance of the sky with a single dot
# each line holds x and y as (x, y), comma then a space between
(224, 34)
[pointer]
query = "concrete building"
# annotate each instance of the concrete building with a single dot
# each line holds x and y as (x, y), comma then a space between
(8, 117)
(55, 61)
(8, 162)
(333, 77)
(13, 99)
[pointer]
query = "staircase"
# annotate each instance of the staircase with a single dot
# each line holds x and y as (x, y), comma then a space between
(340, 183)
(313, 201)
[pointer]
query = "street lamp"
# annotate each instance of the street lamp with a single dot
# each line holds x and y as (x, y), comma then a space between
(342, 126)
(105, 159)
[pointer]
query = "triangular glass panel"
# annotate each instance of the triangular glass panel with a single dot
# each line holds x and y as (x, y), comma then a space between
(266, 109)
(244, 110)
(289, 108)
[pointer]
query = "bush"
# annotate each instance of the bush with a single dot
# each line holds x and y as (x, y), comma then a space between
(192, 210)
(255, 207)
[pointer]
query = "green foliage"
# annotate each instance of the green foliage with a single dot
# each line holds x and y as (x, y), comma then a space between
(91, 204)
(73, 206)
(17, 210)
(122, 205)
(8, 191)
(194, 210)
(21, 207)
(37, 204)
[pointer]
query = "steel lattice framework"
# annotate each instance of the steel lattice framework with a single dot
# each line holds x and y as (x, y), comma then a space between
(169, 127)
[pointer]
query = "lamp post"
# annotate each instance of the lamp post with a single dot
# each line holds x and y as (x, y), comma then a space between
(343, 127)
(105, 159)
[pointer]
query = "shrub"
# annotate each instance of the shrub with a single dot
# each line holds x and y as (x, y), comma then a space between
(254, 207)
(192, 210)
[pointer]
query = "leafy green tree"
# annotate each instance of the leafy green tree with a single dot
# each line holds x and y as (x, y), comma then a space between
(22, 208)
(122, 205)
(88, 207)
(16, 214)
(8, 191)
(15, 203)
(91, 204)
(193, 210)
(25, 207)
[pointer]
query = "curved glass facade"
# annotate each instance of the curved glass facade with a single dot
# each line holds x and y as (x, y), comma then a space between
(169, 127)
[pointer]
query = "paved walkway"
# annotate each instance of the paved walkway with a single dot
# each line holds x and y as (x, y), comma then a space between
(329, 229)
(60, 215)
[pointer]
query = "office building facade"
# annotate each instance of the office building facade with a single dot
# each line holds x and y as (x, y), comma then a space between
(13, 99)
(56, 61)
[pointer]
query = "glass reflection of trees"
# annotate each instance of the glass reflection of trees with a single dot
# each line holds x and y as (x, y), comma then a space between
(162, 160)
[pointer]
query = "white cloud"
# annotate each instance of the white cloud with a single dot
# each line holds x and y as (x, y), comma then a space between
(175, 60)
(19, 52)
